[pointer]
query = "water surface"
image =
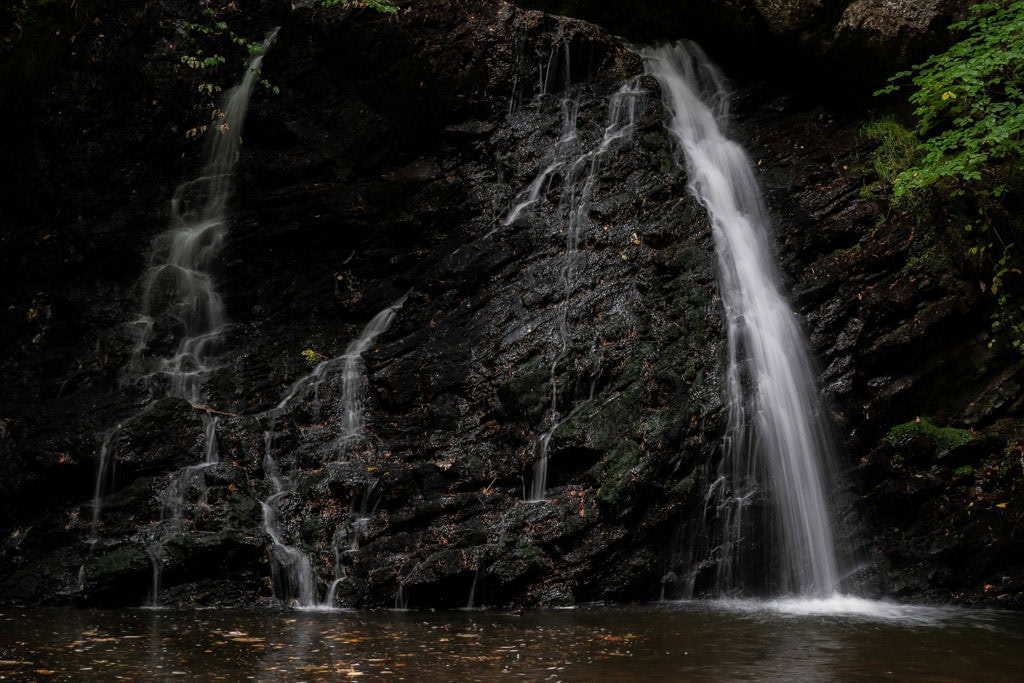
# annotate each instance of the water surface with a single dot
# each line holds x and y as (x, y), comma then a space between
(819, 641)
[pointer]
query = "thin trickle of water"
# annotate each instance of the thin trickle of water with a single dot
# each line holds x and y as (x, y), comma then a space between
(539, 484)
(777, 447)
(580, 173)
(401, 599)
(559, 56)
(154, 552)
(561, 154)
(103, 469)
(353, 379)
(351, 533)
(291, 569)
(471, 602)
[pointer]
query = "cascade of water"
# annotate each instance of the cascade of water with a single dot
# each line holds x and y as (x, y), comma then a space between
(178, 283)
(178, 287)
(580, 176)
(294, 578)
(777, 446)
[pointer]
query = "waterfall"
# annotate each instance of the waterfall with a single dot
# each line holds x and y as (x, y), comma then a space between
(293, 574)
(579, 169)
(351, 533)
(178, 284)
(777, 448)
(179, 298)
(353, 381)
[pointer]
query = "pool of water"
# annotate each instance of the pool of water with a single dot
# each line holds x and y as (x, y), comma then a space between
(841, 639)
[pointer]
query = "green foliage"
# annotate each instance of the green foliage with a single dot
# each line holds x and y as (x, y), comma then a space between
(969, 111)
(215, 33)
(969, 103)
(313, 357)
(944, 438)
(212, 38)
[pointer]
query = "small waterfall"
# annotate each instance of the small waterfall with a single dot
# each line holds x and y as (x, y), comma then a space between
(353, 379)
(774, 484)
(180, 300)
(580, 171)
(103, 474)
(178, 285)
(291, 569)
(293, 574)
(351, 533)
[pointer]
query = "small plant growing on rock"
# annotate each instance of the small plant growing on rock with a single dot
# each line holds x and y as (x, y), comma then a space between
(963, 471)
(312, 356)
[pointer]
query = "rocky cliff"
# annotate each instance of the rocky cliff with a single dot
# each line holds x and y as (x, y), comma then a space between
(387, 171)
(843, 47)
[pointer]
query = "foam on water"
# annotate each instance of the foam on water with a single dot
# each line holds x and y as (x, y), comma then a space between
(845, 607)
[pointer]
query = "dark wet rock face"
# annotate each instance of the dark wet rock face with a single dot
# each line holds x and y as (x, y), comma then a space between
(385, 174)
(835, 47)
(386, 168)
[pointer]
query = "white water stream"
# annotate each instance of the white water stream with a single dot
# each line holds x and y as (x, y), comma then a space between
(293, 574)
(777, 449)
(180, 299)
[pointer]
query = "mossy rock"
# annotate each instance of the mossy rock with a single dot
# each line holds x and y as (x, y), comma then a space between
(614, 473)
(944, 438)
(125, 559)
(526, 394)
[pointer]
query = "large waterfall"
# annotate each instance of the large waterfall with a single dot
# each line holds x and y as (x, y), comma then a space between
(772, 524)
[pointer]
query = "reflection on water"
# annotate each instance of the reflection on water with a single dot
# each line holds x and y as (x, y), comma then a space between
(693, 641)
